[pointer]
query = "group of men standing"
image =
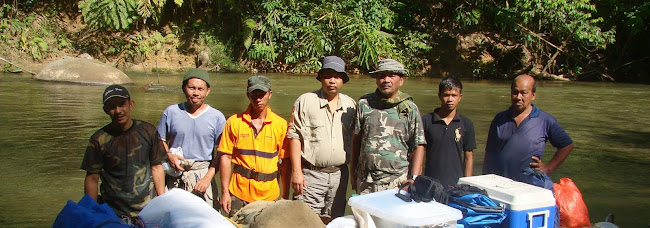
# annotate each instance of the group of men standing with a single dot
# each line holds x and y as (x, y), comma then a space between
(382, 137)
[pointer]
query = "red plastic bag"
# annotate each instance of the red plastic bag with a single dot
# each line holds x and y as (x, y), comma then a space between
(573, 210)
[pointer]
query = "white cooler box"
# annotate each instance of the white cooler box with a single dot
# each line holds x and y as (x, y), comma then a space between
(526, 205)
(387, 210)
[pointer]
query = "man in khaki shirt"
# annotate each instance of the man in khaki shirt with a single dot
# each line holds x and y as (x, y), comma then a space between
(320, 135)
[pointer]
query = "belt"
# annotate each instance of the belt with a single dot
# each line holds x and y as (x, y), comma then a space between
(328, 169)
(250, 174)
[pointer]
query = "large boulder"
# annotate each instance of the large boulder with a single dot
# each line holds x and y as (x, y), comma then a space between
(82, 70)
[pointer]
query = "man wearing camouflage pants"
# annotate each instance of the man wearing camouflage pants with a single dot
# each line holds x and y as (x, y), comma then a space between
(388, 142)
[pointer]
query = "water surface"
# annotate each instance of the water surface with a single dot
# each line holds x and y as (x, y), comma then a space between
(46, 127)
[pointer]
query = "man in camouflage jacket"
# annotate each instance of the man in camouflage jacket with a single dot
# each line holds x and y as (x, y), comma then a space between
(126, 154)
(388, 142)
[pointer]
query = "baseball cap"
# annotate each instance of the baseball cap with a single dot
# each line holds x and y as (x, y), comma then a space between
(258, 82)
(197, 73)
(336, 64)
(115, 91)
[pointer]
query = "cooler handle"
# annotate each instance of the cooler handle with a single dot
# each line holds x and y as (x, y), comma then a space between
(533, 214)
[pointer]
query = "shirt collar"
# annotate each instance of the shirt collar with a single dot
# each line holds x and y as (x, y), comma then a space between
(534, 113)
(437, 118)
(269, 115)
(323, 99)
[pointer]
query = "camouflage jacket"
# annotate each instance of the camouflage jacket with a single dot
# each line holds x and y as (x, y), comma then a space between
(123, 161)
(388, 135)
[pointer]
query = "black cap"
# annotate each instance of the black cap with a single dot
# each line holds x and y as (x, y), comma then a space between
(115, 91)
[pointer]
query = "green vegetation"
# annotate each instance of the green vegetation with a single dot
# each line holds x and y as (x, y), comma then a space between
(25, 33)
(578, 40)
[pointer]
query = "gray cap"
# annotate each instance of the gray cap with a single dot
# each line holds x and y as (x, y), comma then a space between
(258, 82)
(336, 64)
(389, 66)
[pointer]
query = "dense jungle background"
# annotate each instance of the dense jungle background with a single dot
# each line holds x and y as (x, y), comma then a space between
(556, 39)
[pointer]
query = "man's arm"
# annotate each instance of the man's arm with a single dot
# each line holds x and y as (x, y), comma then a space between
(225, 170)
(559, 157)
(354, 159)
(469, 163)
(91, 185)
(297, 177)
(205, 182)
(417, 160)
(162, 134)
(158, 175)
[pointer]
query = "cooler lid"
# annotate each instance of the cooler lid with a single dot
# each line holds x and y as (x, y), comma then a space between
(514, 195)
(386, 205)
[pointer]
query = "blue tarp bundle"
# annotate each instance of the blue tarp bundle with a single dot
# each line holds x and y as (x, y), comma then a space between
(87, 213)
(478, 210)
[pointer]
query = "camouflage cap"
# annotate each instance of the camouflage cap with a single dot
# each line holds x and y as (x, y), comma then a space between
(389, 66)
(258, 82)
(197, 73)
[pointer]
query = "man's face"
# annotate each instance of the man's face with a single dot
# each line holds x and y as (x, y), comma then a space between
(259, 99)
(331, 81)
(389, 83)
(196, 90)
(521, 94)
(450, 98)
(119, 109)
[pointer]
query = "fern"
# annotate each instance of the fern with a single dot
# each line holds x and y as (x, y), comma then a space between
(115, 14)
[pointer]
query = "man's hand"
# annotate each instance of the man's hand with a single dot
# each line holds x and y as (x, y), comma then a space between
(175, 161)
(202, 185)
(539, 165)
(298, 182)
(406, 189)
(225, 202)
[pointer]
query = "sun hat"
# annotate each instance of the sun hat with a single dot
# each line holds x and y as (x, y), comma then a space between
(389, 66)
(258, 82)
(115, 91)
(336, 64)
(197, 73)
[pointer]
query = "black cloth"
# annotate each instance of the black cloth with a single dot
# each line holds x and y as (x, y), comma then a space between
(464, 189)
(444, 149)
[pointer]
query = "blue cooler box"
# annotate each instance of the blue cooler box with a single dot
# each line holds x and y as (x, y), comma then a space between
(526, 205)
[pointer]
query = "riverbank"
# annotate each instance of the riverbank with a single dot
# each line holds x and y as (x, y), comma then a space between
(179, 63)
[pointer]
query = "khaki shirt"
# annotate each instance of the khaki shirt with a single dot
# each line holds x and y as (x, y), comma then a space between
(325, 138)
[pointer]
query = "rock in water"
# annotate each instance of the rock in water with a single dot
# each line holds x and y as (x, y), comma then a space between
(81, 70)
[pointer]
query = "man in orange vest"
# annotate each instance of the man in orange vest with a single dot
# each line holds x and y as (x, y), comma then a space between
(253, 141)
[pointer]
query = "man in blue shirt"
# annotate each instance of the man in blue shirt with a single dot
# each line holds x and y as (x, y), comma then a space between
(517, 138)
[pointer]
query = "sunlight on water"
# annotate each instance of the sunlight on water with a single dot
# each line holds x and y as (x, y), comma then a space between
(46, 127)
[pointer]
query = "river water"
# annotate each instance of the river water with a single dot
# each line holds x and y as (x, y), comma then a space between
(46, 126)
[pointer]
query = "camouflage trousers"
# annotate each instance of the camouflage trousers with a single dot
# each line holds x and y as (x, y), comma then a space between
(195, 170)
(370, 187)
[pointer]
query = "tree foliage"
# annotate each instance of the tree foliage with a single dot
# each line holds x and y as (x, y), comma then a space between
(580, 39)
(121, 14)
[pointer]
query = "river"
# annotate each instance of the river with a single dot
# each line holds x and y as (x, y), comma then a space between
(46, 127)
